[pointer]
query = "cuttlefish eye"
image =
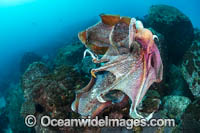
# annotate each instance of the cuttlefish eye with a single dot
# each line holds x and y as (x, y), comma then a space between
(156, 40)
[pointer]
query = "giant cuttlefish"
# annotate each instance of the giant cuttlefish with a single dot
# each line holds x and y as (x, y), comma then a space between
(130, 63)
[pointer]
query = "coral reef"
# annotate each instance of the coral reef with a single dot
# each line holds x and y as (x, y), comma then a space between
(190, 119)
(176, 28)
(191, 68)
(50, 93)
(175, 106)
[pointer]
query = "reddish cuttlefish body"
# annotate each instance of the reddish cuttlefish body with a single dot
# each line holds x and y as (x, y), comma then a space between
(131, 60)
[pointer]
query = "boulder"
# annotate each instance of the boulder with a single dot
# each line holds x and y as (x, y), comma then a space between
(175, 106)
(190, 119)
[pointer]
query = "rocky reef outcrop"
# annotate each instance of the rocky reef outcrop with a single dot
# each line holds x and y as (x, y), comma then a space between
(50, 92)
(175, 106)
(190, 118)
(176, 28)
(191, 66)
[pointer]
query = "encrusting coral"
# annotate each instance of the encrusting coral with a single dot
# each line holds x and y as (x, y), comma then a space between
(50, 92)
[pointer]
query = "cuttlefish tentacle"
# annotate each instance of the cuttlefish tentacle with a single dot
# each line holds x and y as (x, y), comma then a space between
(100, 61)
(106, 66)
(95, 58)
(111, 41)
(138, 97)
(93, 71)
(103, 59)
(131, 31)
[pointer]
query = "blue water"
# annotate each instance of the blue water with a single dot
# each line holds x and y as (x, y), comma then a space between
(41, 25)
(2, 102)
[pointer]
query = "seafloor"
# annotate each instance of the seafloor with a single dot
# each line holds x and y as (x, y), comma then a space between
(48, 86)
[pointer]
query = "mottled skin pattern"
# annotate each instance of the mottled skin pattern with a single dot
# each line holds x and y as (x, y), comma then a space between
(131, 64)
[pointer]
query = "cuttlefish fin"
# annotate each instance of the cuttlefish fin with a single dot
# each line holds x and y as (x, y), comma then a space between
(82, 36)
(110, 19)
(125, 20)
